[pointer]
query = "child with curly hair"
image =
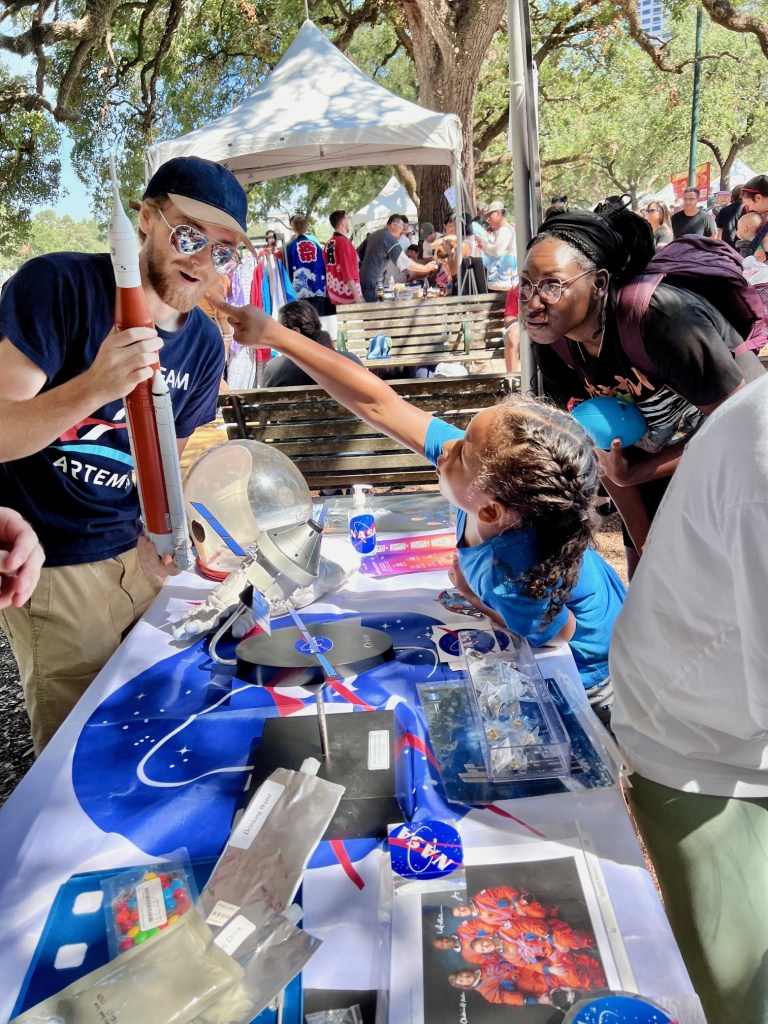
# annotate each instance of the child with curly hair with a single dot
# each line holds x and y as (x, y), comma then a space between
(523, 478)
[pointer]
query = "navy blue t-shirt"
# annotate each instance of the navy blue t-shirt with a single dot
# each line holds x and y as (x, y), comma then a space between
(492, 570)
(79, 493)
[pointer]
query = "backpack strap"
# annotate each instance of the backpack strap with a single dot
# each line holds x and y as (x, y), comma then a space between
(631, 306)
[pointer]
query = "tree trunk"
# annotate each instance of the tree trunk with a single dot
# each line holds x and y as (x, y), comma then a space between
(450, 40)
(727, 166)
(432, 183)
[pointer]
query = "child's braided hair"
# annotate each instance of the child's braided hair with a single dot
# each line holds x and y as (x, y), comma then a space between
(541, 465)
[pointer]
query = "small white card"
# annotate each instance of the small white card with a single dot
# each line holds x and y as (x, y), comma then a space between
(221, 913)
(255, 814)
(151, 905)
(229, 938)
(378, 750)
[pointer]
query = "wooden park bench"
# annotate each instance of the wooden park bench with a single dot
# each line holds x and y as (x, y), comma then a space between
(423, 332)
(333, 448)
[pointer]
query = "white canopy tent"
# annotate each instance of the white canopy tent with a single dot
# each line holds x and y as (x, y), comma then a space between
(393, 198)
(317, 110)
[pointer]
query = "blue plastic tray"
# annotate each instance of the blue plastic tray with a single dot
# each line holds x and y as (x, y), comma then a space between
(77, 925)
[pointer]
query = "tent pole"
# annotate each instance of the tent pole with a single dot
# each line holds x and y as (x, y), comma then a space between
(524, 145)
(458, 210)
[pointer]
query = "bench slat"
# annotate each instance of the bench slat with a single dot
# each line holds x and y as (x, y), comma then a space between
(332, 448)
(437, 320)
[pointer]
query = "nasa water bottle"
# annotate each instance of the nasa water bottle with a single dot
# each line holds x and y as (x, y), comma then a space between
(362, 524)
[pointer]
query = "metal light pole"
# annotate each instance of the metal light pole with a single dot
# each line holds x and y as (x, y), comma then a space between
(696, 96)
(524, 146)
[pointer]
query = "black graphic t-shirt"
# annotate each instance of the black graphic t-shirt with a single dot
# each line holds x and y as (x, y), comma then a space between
(689, 343)
(79, 492)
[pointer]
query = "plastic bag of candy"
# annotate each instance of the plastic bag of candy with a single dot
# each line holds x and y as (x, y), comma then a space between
(142, 901)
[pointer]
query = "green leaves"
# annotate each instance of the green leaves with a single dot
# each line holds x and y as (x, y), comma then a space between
(122, 75)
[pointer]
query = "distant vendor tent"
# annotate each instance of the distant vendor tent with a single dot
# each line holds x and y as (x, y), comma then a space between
(393, 198)
(317, 110)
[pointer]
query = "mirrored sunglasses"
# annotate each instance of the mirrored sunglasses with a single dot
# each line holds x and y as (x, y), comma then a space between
(187, 241)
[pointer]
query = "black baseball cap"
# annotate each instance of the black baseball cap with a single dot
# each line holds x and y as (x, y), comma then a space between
(204, 191)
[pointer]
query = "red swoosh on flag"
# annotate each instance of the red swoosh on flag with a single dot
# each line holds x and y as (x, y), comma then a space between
(348, 695)
(505, 814)
(409, 739)
(285, 705)
(343, 858)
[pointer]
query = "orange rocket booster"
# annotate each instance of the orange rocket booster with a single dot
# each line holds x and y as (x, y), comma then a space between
(148, 412)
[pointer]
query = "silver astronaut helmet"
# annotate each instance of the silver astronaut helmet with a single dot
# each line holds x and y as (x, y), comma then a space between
(234, 493)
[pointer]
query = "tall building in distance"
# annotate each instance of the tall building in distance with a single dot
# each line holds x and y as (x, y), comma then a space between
(652, 17)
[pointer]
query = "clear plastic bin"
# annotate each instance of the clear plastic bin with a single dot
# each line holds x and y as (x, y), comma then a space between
(521, 733)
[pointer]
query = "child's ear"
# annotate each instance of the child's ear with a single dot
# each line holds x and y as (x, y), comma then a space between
(492, 513)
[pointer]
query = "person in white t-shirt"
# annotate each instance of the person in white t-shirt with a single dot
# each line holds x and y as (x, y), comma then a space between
(688, 663)
(427, 236)
(499, 250)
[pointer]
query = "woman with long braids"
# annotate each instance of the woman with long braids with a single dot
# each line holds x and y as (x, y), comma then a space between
(523, 477)
(569, 285)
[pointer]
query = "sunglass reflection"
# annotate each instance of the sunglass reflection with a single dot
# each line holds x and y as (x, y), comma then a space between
(187, 241)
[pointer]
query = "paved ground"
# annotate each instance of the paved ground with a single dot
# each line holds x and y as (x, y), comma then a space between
(15, 743)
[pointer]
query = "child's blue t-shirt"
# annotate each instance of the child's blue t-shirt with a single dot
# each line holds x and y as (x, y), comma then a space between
(78, 492)
(493, 568)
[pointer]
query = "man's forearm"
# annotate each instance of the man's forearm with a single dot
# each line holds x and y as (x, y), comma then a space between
(28, 426)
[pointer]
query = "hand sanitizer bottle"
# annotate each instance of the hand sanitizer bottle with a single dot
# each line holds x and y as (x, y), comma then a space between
(362, 524)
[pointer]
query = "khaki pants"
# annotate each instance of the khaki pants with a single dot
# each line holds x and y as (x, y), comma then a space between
(70, 627)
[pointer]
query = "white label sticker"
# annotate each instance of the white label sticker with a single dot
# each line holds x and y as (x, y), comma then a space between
(256, 814)
(151, 905)
(229, 938)
(221, 913)
(378, 750)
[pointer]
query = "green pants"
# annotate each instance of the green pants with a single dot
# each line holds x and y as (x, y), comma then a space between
(711, 859)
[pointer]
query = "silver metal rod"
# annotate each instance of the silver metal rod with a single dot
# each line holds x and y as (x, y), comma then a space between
(322, 724)
(524, 145)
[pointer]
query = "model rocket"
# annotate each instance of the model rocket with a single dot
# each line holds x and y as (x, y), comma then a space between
(149, 413)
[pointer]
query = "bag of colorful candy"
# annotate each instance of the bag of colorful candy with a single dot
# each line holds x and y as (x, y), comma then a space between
(142, 901)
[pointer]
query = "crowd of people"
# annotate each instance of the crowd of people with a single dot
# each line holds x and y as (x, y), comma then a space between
(340, 273)
(682, 652)
(742, 222)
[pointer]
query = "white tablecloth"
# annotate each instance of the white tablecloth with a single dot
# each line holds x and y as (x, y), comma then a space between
(64, 818)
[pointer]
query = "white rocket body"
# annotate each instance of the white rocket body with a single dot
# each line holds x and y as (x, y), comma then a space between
(176, 542)
(122, 240)
(124, 254)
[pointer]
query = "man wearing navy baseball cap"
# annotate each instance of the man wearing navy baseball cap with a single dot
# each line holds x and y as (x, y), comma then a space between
(65, 462)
